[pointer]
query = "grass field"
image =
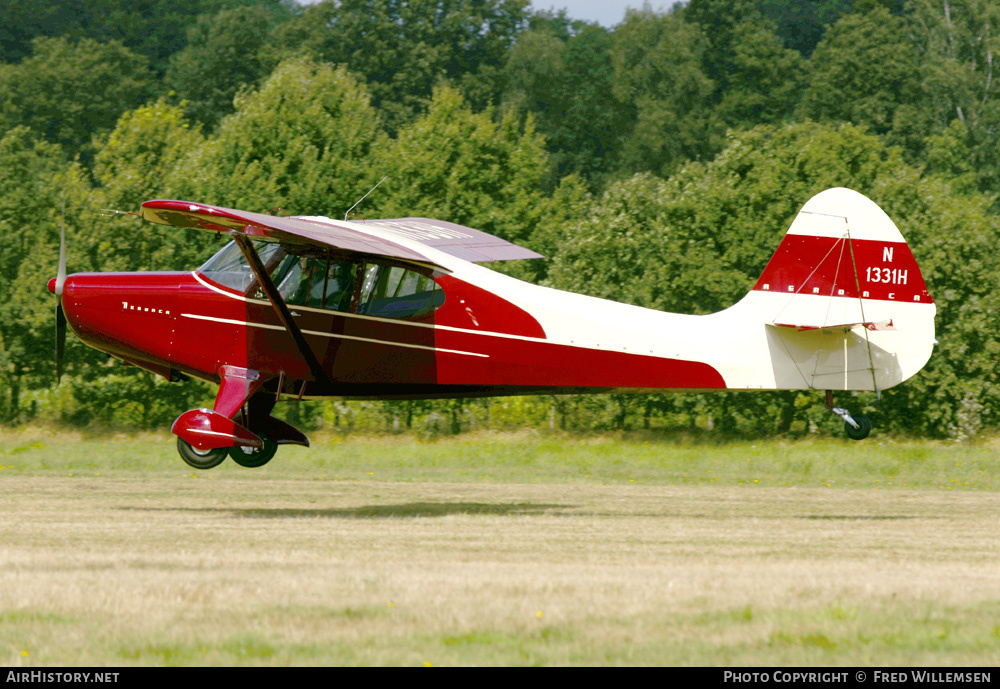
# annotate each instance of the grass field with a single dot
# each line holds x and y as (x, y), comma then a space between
(501, 550)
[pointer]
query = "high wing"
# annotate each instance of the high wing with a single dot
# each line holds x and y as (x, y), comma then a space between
(373, 237)
(459, 241)
(401, 239)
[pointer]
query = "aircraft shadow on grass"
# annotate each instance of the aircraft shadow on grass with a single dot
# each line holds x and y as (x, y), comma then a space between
(410, 509)
(862, 517)
(444, 509)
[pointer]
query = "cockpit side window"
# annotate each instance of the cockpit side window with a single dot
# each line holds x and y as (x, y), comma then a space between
(322, 283)
(328, 282)
(230, 268)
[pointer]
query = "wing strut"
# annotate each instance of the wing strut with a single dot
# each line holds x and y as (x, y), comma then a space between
(861, 306)
(246, 246)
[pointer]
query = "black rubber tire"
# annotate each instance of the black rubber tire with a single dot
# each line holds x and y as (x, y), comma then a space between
(863, 429)
(201, 459)
(255, 458)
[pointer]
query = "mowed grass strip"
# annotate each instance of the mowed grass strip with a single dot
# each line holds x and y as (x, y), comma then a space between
(515, 550)
(529, 457)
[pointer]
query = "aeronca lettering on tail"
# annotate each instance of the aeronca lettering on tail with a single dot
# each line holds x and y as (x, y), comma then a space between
(310, 307)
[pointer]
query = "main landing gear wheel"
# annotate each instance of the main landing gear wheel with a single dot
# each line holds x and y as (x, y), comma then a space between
(252, 457)
(863, 429)
(201, 459)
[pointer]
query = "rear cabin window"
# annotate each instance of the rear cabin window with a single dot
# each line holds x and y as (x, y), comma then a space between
(394, 292)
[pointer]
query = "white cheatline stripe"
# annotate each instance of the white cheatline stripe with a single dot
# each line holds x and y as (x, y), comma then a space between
(394, 321)
(333, 335)
(231, 321)
(202, 431)
(238, 297)
(362, 317)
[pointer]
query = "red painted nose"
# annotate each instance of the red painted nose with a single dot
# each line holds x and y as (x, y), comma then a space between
(52, 285)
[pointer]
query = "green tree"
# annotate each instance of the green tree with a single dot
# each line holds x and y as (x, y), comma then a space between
(569, 204)
(801, 23)
(697, 242)
(953, 236)
(35, 184)
(153, 28)
(142, 160)
(464, 167)
(587, 139)
(221, 57)
(762, 82)
(69, 92)
(567, 84)
(139, 159)
(658, 73)
(534, 69)
(756, 77)
(402, 49)
(959, 41)
(864, 71)
(135, 162)
(303, 142)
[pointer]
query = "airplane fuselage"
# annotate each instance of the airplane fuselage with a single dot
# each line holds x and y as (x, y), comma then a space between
(499, 336)
(475, 343)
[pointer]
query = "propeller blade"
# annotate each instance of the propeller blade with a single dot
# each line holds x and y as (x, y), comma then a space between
(60, 282)
(61, 274)
(60, 339)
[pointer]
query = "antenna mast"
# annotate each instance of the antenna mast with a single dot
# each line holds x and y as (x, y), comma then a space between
(364, 197)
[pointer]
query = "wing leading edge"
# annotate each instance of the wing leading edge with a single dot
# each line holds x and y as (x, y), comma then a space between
(373, 237)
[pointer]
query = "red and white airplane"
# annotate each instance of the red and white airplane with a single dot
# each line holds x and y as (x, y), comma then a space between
(309, 307)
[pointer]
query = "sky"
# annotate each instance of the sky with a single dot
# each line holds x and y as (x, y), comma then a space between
(607, 13)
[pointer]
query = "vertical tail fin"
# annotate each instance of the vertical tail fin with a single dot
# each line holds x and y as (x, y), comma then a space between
(845, 299)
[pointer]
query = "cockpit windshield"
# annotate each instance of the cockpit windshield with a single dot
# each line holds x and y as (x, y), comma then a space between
(230, 268)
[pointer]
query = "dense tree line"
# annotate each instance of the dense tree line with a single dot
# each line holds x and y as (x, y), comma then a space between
(657, 163)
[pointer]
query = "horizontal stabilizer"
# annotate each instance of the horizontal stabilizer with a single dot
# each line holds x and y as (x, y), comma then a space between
(870, 325)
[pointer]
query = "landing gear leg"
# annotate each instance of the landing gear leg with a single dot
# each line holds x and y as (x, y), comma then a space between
(856, 427)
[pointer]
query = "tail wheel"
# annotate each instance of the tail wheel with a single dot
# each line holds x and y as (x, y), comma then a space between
(201, 459)
(251, 457)
(863, 429)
